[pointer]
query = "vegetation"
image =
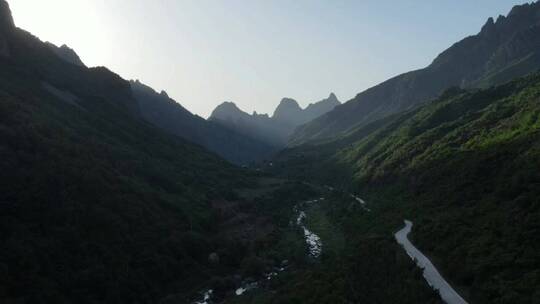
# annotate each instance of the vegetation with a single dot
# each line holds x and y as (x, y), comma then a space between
(465, 169)
(360, 262)
(97, 206)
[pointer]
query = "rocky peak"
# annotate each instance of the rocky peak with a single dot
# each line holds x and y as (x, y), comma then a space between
(66, 53)
(488, 26)
(289, 103)
(332, 99)
(227, 111)
(286, 108)
(6, 19)
(228, 106)
(319, 108)
(521, 9)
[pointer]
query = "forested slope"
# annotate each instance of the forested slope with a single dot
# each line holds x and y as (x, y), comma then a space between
(465, 168)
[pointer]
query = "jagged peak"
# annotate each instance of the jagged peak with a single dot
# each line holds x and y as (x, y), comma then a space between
(519, 9)
(6, 18)
(228, 104)
(66, 53)
(227, 110)
(489, 24)
(333, 97)
(288, 102)
(138, 85)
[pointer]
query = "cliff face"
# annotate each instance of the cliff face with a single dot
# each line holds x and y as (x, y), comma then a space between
(503, 50)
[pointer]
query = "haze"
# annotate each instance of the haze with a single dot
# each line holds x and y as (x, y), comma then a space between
(255, 52)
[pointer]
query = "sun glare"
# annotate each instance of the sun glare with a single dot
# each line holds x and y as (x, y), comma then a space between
(48, 20)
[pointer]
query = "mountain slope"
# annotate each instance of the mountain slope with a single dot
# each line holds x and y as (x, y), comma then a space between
(66, 53)
(164, 112)
(290, 113)
(464, 167)
(259, 126)
(96, 205)
(273, 130)
(503, 50)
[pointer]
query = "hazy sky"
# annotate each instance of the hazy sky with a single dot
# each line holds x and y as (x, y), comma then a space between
(254, 52)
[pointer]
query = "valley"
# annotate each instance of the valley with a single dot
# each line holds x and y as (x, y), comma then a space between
(113, 192)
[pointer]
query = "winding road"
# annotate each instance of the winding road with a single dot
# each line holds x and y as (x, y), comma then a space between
(431, 274)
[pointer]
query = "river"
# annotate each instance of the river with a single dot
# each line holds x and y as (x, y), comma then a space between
(314, 249)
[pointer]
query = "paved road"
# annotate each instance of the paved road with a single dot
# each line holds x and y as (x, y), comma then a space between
(432, 276)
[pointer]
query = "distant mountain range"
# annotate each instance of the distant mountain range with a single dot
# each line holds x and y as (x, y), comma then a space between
(274, 130)
(162, 111)
(233, 134)
(504, 49)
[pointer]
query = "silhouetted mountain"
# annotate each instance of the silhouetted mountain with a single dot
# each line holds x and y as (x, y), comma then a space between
(96, 205)
(164, 112)
(504, 49)
(274, 130)
(6, 26)
(317, 109)
(259, 126)
(66, 53)
(6, 19)
(288, 111)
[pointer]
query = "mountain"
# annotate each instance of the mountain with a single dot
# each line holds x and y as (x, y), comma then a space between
(66, 53)
(464, 168)
(259, 126)
(289, 112)
(274, 130)
(96, 204)
(502, 50)
(160, 110)
(317, 109)
(156, 108)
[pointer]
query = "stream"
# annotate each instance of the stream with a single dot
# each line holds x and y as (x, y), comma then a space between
(313, 242)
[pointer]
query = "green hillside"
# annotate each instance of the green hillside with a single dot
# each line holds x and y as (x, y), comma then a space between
(96, 206)
(463, 167)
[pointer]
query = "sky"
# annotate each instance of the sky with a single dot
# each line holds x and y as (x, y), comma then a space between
(255, 52)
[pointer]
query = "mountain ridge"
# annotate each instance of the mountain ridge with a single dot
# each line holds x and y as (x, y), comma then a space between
(502, 50)
(66, 53)
(97, 205)
(274, 129)
(160, 110)
(464, 168)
